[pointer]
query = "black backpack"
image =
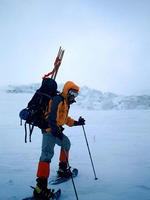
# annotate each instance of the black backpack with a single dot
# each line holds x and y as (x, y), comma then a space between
(34, 114)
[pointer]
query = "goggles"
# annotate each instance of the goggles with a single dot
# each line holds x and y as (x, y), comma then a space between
(73, 92)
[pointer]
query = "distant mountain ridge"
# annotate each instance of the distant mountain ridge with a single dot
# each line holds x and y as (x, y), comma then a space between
(93, 99)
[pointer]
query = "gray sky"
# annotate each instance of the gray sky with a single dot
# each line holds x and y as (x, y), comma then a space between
(107, 42)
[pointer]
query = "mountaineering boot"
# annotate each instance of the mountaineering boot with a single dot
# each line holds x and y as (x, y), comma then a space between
(63, 171)
(41, 191)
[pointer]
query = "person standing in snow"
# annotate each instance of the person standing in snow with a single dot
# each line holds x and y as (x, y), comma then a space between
(57, 116)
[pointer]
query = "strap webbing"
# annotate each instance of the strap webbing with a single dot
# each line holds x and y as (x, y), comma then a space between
(25, 127)
(31, 127)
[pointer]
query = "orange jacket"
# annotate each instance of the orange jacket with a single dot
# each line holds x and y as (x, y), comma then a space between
(58, 109)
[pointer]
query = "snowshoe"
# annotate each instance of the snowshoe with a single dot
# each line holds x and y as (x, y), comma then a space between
(56, 196)
(58, 180)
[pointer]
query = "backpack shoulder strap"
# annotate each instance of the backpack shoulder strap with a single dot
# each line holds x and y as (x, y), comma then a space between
(58, 98)
(62, 98)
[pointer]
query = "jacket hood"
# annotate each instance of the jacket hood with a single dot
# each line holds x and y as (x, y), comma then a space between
(69, 85)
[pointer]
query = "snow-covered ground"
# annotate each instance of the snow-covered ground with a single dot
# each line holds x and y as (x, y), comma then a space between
(120, 145)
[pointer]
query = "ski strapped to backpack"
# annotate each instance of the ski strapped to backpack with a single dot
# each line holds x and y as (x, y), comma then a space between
(57, 64)
(34, 113)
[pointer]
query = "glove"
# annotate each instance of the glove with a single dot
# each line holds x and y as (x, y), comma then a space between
(58, 133)
(80, 122)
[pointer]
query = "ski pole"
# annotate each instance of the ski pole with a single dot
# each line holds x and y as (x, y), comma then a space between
(71, 176)
(89, 152)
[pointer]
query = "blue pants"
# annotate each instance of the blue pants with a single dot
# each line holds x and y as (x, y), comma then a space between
(48, 144)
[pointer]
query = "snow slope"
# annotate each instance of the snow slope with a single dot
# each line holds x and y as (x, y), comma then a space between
(119, 143)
